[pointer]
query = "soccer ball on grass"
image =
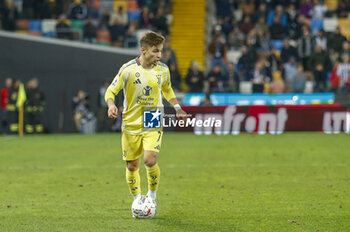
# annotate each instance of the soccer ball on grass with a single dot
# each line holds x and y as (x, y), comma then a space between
(144, 207)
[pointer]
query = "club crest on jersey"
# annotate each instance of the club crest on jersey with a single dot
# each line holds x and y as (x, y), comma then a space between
(147, 90)
(137, 74)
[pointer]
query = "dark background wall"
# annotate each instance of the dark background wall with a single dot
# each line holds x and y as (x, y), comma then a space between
(62, 70)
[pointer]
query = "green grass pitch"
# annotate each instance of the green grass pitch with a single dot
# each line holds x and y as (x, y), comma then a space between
(289, 182)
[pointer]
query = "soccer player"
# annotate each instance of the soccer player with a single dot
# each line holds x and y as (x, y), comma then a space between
(143, 80)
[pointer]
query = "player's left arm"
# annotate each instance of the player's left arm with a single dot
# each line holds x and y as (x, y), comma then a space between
(171, 98)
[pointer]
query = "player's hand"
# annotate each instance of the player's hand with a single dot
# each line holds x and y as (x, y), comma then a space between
(112, 111)
(181, 114)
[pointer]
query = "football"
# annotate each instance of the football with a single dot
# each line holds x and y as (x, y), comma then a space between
(144, 207)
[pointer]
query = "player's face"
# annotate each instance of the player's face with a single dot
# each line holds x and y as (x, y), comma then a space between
(153, 54)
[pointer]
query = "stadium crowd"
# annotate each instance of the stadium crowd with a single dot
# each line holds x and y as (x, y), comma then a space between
(280, 45)
(92, 21)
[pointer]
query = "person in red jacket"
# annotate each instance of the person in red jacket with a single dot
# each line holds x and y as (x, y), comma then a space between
(3, 105)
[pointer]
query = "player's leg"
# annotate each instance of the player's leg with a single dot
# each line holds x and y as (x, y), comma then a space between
(133, 177)
(151, 144)
(153, 172)
(132, 150)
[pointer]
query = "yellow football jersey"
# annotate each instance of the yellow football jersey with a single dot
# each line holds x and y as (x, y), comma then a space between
(142, 91)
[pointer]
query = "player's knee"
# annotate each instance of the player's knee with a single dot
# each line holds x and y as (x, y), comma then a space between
(132, 166)
(150, 162)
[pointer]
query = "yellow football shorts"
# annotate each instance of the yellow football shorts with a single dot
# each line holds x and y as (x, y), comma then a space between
(134, 145)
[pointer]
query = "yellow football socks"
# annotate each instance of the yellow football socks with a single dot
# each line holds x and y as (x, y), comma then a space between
(133, 180)
(153, 174)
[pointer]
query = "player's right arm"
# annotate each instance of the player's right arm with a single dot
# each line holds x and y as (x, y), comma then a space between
(113, 90)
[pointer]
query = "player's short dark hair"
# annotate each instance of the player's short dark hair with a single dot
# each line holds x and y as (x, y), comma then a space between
(151, 39)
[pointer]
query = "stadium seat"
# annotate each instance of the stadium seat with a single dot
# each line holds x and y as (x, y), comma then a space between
(233, 56)
(278, 44)
(134, 15)
(329, 24)
(331, 4)
(103, 36)
(34, 25)
(48, 28)
(22, 24)
(118, 3)
(316, 25)
(245, 87)
(344, 25)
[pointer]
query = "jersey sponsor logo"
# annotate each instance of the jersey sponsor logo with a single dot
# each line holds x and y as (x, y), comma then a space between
(157, 147)
(151, 119)
(147, 90)
(137, 74)
(137, 82)
(124, 153)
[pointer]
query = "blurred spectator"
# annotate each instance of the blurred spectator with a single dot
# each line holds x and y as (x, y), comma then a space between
(246, 25)
(334, 78)
(288, 51)
(343, 72)
(277, 84)
(105, 20)
(62, 28)
(320, 78)
(217, 51)
(321, 39)
(294, 28)
(235, 39)
(277, 14)
(4, 97)
(104, 124)
(195, 78)
(12, 110)
(292, 14)
(246, 63)
(34, 108)
(343, 8)
(233, 78)
(290, 68)
(261, 25)
(305, 8)
(77, 10)
(145, 20)
(345, 49)
(80, 108)
(318, 10)
(336, 40)
(277, 31)
(298, 80)
(159, 22)
(333, 56)
(217, 80)
(305, 47)
(223, 8)
(130, 39)
(120, 14)
(320, 57)
(257, 77)
(168, 49)
(206, 101)
(175, 77)
(260, 13)
(272, 61)
(9, 15)
(89, 32)
(263, 41)
(117, 31)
